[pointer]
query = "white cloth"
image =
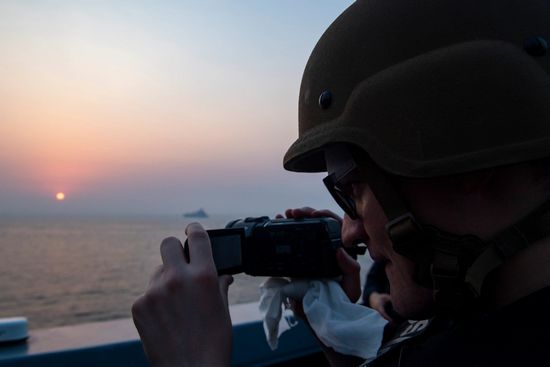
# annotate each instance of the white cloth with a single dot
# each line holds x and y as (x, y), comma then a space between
(346, 327)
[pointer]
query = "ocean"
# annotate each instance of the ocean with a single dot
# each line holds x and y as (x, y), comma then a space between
(63, 270)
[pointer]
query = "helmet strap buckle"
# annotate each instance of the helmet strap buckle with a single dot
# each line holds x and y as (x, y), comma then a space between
(406, 235)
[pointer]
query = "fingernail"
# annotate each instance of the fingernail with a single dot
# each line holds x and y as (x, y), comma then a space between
(192, 224)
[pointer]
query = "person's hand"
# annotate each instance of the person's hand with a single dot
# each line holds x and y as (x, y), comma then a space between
(183, 317)
(307, 212)
(350, 281)
(378, 301)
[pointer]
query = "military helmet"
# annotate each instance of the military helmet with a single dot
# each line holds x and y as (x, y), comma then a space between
(429, 88)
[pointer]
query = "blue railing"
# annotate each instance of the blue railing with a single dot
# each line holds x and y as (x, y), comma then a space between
(116, 343)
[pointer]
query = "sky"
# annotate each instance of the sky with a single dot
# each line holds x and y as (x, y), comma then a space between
(155, 107)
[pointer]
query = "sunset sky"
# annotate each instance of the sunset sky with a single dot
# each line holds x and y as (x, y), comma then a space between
(154, 106)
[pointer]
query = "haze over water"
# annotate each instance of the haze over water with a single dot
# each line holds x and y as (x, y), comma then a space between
(154, 107)
(68, 270)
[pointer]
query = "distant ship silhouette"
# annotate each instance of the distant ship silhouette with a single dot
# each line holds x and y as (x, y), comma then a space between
(197, 214)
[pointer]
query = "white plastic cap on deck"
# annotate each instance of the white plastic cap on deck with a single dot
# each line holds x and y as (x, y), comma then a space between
(13, 329)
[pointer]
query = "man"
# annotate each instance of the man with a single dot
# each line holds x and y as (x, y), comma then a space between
(432, 120)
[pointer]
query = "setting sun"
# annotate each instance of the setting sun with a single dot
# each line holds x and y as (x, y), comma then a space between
(60, 196)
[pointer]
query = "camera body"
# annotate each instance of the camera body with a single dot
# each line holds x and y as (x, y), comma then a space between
(260, 246)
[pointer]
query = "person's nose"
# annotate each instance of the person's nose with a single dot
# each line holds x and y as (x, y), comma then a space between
(353, 231)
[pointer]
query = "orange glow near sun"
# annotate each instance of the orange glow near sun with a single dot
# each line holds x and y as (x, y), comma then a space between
(60, 196)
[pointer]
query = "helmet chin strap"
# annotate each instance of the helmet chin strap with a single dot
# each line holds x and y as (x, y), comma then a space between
(454, 266)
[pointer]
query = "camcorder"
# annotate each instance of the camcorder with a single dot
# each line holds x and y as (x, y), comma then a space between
(260, 246)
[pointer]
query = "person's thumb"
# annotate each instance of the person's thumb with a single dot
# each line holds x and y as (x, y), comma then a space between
(351, 270)
(224, 282)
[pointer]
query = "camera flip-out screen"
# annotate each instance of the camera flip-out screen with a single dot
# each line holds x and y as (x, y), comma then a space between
(226, 249)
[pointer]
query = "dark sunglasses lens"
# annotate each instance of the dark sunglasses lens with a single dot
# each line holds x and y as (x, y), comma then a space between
(344, 201)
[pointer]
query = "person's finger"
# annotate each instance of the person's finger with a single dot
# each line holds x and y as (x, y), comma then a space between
(225, 281)
(200, 249)
(171, 252)
(305, 211)
(387, 310)
(384, 314)
(351, 281)
(385, 298)
(379, 302)
(297, 308)
(326, 213)
(299, 212)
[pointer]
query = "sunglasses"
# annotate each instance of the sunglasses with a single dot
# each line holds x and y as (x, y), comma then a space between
(344, 167)
(341, 194)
